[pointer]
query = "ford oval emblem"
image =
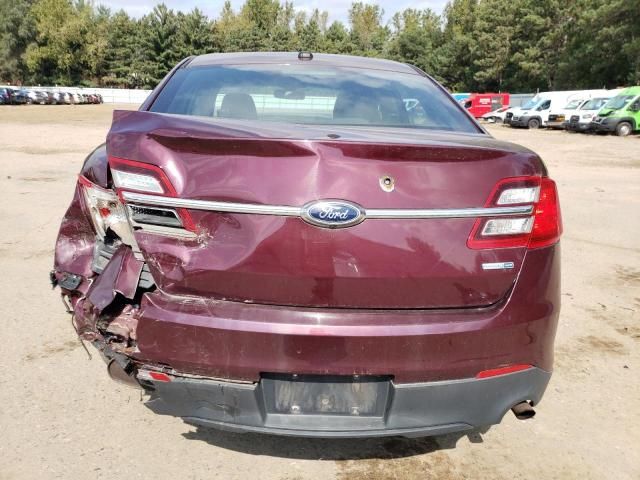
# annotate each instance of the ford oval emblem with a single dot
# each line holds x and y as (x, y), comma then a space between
(333, 213)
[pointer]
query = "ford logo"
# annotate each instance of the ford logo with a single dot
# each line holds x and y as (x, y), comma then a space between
(332, 213)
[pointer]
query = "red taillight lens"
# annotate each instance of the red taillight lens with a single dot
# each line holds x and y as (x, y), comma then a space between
(131, 175)
(541, 228)
(547, 226)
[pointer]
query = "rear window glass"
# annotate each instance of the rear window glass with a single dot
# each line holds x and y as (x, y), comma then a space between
(311, 95)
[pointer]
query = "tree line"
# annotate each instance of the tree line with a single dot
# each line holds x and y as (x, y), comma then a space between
(474, 45)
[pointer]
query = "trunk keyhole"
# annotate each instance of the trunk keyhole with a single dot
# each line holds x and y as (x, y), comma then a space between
(387, 183)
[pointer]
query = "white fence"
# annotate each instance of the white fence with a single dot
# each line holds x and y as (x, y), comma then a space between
(124, 95)
(109, 95)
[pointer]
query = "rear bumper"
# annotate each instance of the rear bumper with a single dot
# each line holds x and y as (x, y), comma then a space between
(418, 409)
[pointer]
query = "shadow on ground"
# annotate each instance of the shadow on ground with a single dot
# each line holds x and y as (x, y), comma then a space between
(330, 449)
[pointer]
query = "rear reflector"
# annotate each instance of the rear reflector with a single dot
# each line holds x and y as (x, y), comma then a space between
(541, 229)
(160, 377)
(144, 374)
(503, 370)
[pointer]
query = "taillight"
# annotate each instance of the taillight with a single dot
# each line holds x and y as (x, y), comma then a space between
(547, 227)
(131, 175)
(541, 228)
(105, 210)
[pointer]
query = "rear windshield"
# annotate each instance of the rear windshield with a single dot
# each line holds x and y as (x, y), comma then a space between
(308, 94)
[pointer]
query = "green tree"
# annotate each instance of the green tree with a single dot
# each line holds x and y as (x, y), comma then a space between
(125, 54)
(17, 31)
(60, 53)
(455, 52)
(416, 39)
(367, 32)
(495, 28)
(159, 38)
(195, 34)
(336, 39)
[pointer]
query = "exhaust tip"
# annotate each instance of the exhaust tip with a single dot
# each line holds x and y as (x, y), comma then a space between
(523, 411)
(119, 374)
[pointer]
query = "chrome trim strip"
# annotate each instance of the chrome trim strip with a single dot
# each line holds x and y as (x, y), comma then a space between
(287, 211)
(230, 207)
(166, 231)
(449, 212)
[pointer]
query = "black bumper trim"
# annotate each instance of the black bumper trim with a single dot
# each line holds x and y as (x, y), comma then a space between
(413, 410)
(604, 127)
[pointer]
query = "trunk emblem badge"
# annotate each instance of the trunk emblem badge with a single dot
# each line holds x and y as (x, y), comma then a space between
(333, 213)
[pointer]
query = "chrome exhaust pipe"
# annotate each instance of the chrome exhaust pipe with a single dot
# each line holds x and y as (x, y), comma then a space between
(119, 374)
(523, 411)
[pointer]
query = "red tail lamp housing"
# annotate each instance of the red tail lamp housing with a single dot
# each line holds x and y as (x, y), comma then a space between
(154, 171)
(543, 225)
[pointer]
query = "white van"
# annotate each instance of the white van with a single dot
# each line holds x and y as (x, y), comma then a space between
(580, 120)
(559, 117)
(535, 113)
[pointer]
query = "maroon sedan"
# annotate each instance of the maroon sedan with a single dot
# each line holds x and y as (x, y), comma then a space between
(314, 245)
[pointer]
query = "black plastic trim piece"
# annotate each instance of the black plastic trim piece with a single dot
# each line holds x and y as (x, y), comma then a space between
(418, 409)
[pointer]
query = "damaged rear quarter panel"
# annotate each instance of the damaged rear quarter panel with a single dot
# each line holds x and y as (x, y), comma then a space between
(76, 240)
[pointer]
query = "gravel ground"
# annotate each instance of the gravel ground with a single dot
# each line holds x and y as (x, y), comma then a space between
(62, 417)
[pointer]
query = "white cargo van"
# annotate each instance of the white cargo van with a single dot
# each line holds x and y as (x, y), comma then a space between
(558, 117)
(580, 120)
(535, 113)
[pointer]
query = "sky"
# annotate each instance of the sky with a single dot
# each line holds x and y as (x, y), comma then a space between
(337, 8)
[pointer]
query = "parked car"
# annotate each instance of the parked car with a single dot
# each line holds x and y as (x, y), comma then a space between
(19, 97)
(535, 112)
(63, 98)
(621, 114)
(580, 120)
(36, 97)
(478, 104)
(51, 98)
(275, 243)
(496, 116)
(6, 95)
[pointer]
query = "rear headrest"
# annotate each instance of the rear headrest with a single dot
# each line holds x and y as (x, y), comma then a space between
(356, 107)
(238, 105)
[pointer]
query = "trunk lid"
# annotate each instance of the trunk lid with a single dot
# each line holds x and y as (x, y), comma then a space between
(283, 260)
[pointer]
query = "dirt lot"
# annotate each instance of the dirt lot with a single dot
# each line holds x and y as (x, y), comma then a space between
(62, 417)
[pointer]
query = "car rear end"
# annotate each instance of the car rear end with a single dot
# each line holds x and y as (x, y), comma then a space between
(261, 250)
